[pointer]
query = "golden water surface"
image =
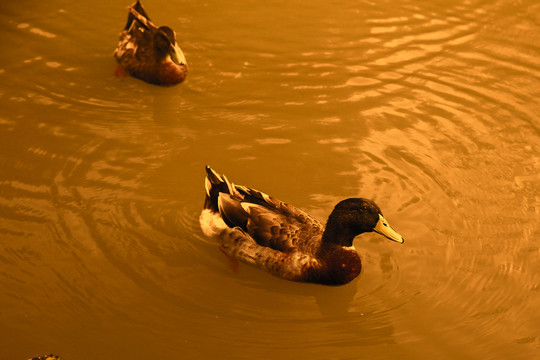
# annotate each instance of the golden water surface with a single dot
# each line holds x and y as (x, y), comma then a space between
(432, 108)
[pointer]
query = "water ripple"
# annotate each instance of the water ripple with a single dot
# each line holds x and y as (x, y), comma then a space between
(428, 108)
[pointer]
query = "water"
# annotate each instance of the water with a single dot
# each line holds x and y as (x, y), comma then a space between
(428, 107)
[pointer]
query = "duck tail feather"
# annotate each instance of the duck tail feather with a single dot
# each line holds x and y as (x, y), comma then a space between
(207, 186)
(140, 9)
(137, 13)
(231, 187)
(216, 186)
(213, 186)
(216, 179)
(213, 176)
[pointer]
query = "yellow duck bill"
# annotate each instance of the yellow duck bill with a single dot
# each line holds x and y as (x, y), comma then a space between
(177, 56)
(386, 230)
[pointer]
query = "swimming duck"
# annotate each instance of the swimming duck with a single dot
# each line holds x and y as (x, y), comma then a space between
(260, 230)
(149, 53)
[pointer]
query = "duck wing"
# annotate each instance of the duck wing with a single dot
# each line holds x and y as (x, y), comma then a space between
(269, 222)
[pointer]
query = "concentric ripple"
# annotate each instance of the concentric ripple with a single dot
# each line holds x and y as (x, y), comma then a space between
(430, 108)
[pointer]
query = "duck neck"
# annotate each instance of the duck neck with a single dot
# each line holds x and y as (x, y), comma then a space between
(337, 234)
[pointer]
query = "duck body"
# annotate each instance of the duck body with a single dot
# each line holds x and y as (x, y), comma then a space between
(150, 53)
(260, 230)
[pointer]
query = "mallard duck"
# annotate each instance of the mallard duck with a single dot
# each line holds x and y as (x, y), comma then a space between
(149, 53)
(257, 229)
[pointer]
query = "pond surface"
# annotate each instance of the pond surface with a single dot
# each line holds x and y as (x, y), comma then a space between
(431, 108)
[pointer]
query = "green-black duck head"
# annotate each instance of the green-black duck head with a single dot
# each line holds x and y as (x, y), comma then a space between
(352, 217)
(165, 41)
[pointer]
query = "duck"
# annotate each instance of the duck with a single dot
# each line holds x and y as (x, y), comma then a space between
(149, 53)
(257, 229)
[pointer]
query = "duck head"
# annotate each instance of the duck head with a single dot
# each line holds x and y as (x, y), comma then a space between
(352, 217)
(165, 43)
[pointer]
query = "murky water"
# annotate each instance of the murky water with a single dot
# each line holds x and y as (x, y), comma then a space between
(429, 107)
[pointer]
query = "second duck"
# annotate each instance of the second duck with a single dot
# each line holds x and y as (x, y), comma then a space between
(149, 53)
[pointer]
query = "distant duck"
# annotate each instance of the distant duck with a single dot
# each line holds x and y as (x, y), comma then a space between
(149, 53)
(257, 229)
